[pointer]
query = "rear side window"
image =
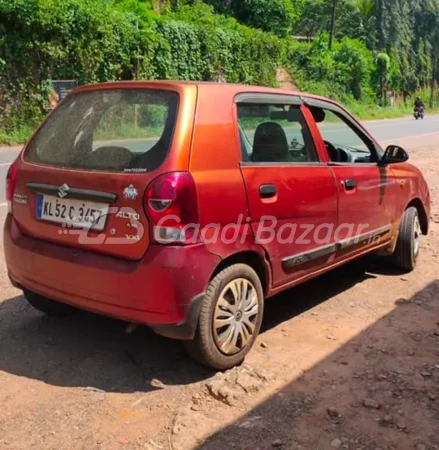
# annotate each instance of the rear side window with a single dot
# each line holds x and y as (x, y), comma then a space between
(123, 130)
(274, 134)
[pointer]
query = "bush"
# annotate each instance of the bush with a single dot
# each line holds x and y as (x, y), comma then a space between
(275, 16)
(103, 40)
(343, 72)
(354, 67)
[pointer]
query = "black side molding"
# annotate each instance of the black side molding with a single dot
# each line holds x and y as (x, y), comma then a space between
(363, 237)
(76, 193)
(302, 258)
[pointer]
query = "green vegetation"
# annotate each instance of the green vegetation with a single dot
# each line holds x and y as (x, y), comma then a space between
(16, 135)
(128, 121)
(380, 46)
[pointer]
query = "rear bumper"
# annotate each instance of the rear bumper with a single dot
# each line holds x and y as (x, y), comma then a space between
(163, 290)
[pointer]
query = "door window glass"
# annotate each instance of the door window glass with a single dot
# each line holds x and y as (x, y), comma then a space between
(344, 145)
(274, 134)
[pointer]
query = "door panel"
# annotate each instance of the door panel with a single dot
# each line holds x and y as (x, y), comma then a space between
(367, 210)
(287, 223)
(367, 192)
(292, 196)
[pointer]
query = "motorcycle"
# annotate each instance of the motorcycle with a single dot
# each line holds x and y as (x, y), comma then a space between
(419, 112)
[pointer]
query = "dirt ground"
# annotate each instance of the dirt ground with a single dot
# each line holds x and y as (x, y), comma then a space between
(349, 360)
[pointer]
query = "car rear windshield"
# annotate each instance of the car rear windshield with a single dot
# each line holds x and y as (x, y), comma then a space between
(116, 130)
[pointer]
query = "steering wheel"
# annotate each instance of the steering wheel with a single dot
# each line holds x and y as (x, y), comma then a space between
(333, 152)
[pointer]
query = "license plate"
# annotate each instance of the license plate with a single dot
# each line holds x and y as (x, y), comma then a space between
(73, 213)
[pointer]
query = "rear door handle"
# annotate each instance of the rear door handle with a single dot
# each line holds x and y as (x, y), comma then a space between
(267, 190)
(349, 184)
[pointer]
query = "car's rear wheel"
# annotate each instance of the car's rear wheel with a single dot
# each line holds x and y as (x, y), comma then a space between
(48, 306)
(230, 318)
(408, 244)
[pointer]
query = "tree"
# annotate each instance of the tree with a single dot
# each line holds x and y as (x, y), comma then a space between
(314, 17)
(383, 68)
(275, 16)
(366, 10)
(427, 19)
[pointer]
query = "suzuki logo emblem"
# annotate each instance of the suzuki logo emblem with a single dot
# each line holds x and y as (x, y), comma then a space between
(63, 190)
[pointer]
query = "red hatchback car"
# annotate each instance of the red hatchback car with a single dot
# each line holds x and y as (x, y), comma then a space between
(183, 205)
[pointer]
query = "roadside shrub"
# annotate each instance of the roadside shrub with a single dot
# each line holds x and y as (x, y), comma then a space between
(353, 67)
(104, 40)
(344, 71)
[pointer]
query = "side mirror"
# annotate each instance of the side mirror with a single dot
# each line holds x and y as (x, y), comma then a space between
(394, 154)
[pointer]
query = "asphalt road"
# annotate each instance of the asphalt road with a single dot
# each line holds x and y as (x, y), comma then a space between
(384, 130)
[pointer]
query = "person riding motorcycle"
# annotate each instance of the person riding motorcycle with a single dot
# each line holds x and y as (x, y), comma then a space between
(419, 109)
(419, 103)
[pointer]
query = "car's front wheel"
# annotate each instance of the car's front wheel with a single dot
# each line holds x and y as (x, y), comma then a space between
(230, 318)
(48, 306)
(408, 244)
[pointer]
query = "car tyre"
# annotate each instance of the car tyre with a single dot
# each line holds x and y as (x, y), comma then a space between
(408, 243)
(48, 306)
(230, 318)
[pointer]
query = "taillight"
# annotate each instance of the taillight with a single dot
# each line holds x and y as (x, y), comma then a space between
(11, 181)
(172, 206)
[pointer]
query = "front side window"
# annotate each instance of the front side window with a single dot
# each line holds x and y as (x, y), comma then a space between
(118, 130)
(344, 145)
(274, 134)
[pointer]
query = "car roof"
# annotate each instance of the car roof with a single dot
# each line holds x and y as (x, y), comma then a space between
(228, 88)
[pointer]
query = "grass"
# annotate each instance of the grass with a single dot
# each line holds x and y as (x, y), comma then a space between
(365, 112)
(17, 136)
